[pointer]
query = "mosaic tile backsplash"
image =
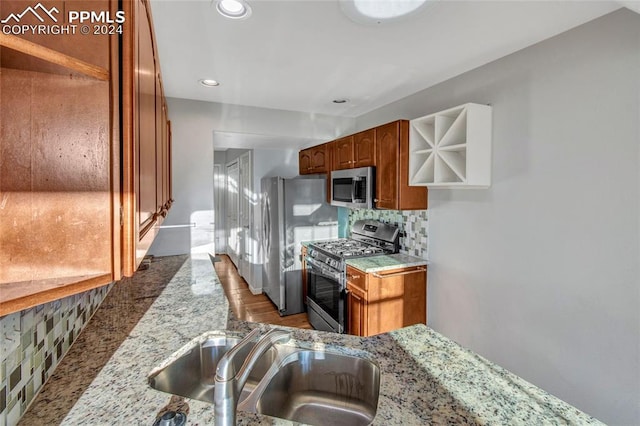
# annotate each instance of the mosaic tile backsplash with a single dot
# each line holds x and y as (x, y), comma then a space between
(34, 341)
(413, 225)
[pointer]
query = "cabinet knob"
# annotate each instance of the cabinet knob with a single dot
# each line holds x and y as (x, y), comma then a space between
(375, 200)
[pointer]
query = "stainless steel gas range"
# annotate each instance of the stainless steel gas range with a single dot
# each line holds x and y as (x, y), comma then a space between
(326, 270)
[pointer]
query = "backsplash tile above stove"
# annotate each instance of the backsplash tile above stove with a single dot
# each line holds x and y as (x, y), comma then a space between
(413, 225)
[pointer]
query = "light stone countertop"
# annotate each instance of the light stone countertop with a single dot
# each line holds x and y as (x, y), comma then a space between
(425, 377)
(381, 263)
(385, 262)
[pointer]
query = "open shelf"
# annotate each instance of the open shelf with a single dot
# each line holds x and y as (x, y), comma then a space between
(37, 51)
(17, 296)
(451, 148)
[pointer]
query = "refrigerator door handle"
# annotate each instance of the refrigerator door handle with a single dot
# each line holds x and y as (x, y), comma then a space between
(266, 226)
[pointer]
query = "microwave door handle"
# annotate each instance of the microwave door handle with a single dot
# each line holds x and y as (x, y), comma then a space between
(354, 182)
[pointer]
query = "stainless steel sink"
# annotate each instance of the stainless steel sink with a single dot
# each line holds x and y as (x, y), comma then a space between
(193, 373)
(318, 388)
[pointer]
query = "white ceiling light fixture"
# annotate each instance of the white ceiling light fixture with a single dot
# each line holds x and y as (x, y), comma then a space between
(233, 9)
(207, 82)
(381, 11)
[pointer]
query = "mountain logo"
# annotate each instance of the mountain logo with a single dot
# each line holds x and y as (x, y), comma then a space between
(34, 11)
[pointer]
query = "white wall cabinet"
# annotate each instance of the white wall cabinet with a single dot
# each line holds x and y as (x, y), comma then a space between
(451, 148)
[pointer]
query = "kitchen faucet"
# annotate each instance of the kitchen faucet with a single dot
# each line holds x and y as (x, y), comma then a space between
(229, 384)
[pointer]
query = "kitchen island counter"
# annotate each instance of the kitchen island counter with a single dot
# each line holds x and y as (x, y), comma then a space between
(425, 377)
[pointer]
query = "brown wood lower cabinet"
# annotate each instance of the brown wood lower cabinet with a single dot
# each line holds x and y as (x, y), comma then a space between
(379, 302)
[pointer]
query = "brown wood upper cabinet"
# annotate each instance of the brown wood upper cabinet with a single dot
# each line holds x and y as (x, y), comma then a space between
(364, 148)
(146, 137)
(392, 170)
(314, 160)
(384, 301)
(354, 151)
(343, 153)
(386, 148)
(87, 194)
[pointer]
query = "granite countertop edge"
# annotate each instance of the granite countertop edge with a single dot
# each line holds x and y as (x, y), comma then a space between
(425, 378)
(386, 262)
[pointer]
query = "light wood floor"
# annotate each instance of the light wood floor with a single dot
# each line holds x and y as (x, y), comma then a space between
(249, 307)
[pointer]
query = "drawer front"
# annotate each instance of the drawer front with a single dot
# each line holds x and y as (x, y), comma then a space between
(357, 278)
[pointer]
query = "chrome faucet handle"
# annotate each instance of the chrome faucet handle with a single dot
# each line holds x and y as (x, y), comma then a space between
(229, 384)
(273, 336)
(225, 370)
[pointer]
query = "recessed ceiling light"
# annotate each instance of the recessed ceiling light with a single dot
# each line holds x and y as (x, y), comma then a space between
(379, 11)
(234, 9)
(340, 101)
(208, 82)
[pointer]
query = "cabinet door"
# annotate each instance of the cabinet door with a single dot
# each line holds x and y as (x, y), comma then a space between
(146, 75)
(319, 161)
(343, 153)
(145, 149)
(387, 167)
(356, 310)
(168, 175)
(160, 142)
(364, 148)
(330, 156)
(415, 297)
(392, 170)
(397, 299)
(304, 161)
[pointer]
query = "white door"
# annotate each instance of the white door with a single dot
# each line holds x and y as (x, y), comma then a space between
(246, 195)
(219, 195)
(233, 231)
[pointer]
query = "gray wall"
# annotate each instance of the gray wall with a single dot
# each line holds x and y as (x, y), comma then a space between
(540, 272)
(193, 124)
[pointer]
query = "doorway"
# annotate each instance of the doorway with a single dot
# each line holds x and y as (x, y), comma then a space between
(219, 211)
(240, 200)
(246, 200)
(232, 220)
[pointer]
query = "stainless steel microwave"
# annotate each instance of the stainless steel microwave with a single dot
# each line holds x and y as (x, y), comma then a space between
(353, 188)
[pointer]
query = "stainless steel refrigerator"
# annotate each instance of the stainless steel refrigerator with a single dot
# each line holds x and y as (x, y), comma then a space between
(293, 210)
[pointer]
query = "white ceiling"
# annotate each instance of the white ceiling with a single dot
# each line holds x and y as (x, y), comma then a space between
(300, 55)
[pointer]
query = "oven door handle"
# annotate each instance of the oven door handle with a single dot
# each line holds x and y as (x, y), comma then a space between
(311, 264)
(314, 267)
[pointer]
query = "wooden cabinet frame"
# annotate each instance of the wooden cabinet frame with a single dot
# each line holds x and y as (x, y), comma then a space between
(392, 170)
(314, 160)
(386, 148)
(94, 236)
(379, 302)
(137, 235)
